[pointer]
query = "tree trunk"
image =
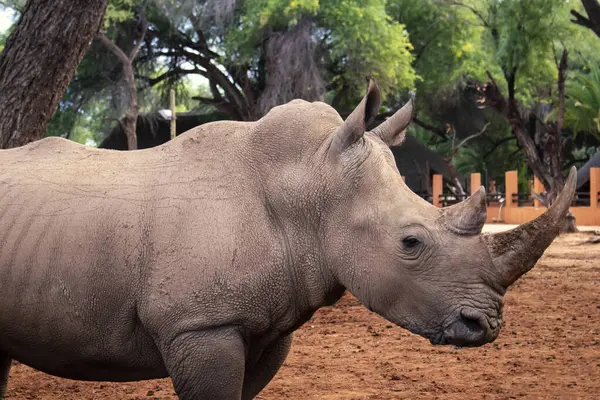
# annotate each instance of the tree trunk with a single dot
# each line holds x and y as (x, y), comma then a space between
(129, 121)
(544, 157)
(38, 61)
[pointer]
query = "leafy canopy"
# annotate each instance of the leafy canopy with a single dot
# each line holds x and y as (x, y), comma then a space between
(356, 38)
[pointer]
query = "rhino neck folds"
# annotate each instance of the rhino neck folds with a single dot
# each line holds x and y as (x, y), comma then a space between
(310, 284)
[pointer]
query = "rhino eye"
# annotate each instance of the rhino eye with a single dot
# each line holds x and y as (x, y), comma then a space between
(410, 242)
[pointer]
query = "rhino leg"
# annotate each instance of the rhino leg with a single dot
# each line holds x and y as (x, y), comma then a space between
(206, 364)
(260, 374)
(4, 370)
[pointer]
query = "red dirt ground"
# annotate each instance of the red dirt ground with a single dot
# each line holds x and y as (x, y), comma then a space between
(549, 348)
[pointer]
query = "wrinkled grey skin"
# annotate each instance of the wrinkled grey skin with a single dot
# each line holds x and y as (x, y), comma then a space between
(198, 259)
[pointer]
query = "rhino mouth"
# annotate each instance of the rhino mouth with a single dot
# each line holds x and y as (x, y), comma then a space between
(470, 329)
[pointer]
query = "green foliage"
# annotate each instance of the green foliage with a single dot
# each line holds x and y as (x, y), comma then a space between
(15, 5)
(583, 101)
(523, 31)
(360, 39)
(447, 43)
(118, 11)
(261, 14)
(437, 47)
(458, 41)
(5, 34)
(521, 38)
(365, 41)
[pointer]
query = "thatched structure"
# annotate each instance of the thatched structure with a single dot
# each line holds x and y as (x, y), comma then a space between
(153, 129)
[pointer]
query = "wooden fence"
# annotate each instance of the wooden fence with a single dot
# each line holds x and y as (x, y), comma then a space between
(507, 207)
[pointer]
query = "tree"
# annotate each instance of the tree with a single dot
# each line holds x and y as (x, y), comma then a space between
(237, 49)
(37, 63)
(129, 120)
(258, 54)
(523, 37)
(252, 55)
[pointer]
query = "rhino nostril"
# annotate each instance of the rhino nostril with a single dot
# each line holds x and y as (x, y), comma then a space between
(473, 324)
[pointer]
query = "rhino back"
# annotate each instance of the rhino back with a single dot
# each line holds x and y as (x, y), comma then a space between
(92, 241)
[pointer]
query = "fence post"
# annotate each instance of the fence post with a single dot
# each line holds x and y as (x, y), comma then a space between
(173, 116)
(475, 181)
(594, 187)
(512, 186)
(437, 189)
(538, 188)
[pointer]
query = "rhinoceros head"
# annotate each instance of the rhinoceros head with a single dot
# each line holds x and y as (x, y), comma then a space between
(427, 269)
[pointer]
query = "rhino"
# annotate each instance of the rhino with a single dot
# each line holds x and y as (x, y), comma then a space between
(197, 260)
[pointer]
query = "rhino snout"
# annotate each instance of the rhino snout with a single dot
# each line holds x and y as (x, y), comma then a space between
(471, 328)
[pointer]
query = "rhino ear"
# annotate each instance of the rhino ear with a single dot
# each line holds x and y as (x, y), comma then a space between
(393, 130)
(355, 125)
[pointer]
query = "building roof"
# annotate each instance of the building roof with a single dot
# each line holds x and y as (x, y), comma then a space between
(417, 163)
(154, 129)
(583, 175)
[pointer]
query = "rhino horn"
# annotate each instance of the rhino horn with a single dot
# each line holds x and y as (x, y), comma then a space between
(354, 126)
(516, 251)
(393, 130)
(467, 217)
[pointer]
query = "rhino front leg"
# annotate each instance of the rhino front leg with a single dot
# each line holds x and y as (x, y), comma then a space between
(260, 374)
(207, 365)
(4, 370)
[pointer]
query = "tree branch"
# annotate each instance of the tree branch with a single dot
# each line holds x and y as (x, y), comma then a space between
(438, 131)
(339, 96)
(112, 47)
(491, 97)
(202, 44)
(176, 72)
(592, 22)
(454, 149)
(481, 132)
(231, 91)
(140, 39)
(477, 13)
(498, 144)
(581, 20)
(592, 8)
(562, 76)
(199, 54)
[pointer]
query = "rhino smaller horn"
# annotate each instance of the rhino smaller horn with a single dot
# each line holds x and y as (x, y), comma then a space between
(467, 217)
(393, 130)
(355, 124)
(516, 251)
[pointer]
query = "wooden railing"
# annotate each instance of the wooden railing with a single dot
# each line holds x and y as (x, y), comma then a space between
(515, 208)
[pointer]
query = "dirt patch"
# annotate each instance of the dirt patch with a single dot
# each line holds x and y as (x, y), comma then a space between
(549, 348)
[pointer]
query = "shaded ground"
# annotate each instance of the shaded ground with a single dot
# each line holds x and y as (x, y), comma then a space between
(549, 348)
